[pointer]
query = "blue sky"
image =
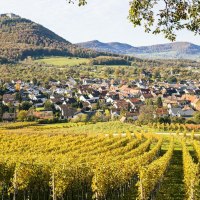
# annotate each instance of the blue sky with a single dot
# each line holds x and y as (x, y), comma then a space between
(104, 20)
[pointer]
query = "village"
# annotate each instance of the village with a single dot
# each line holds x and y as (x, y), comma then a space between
(98, 100)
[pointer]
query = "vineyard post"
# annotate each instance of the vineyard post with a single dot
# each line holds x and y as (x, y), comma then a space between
(96, 192)
(192, 190)
(14, 185)
(141, 187)
(53, 187)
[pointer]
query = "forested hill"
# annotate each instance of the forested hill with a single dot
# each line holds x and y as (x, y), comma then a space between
(20, 38)
(176, 50)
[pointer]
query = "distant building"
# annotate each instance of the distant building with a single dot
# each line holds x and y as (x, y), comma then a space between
(9, 117)
(43, 114)
(10, 15)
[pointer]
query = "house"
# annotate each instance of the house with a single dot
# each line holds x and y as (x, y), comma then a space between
(86, 106)
(134, 103)
(67, 112)
(197, 92)
(111, 97)
(161, 112)
(187, 112)
(9, 99)
(190, 91)
(9, 117)
(193, 99)
(145, 91)
(169, 91)
(179, 112)
(196, 104)
(122, 105)
(61, 91)
(57, 96)
(38, 103)
(123, 119)
(94, 95)
(129, 91)
(37, 97)
(71, 82)
(43, 114)
(56, 101)
(115, 113)
(146, 96)
(170, 102)
(102, 89)
(83, 89)
(88, 81)
(84, 98)
(132, 115)
(71, 101)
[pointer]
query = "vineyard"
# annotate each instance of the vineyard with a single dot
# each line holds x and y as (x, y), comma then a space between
(103, 161)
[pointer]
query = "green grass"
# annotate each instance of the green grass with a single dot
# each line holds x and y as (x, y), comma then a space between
(172, 186)
(40, 109)
(62, 61)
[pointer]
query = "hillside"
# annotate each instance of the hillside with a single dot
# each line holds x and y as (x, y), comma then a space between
(20, 38)
(114, 47)
(176, 50)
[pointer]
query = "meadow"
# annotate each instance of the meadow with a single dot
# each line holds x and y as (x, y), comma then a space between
(111, 160)
(63, 61)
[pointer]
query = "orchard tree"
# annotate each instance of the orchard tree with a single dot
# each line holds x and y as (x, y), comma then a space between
(146, 114)
(172, 79)
(163, 16)
(197, 117)
(159, 102)
(48, 105)
(25, 105)
(22, 115)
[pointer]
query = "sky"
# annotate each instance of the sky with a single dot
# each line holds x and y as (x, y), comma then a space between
(103, 20)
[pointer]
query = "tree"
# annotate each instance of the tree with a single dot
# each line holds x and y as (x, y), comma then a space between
(170, 17)
(22, 115)
(48, 105)
(97, 117)
(172, 79)
(84, 118)
(156, 75)
(1, 111)
(159, 102)
(25, 105)
(107, 115)
(34, 81)
(17, 87)
(146, 114)
(117, 72)
(18, 96)
(149, 102)
(197, 117)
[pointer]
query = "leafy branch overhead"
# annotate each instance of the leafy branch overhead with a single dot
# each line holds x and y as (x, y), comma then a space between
(163, 16)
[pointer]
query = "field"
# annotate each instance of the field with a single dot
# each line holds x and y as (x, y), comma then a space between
(63, 61)
(112, 160)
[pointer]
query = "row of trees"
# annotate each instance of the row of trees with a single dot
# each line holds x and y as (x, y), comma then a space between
(175, 127)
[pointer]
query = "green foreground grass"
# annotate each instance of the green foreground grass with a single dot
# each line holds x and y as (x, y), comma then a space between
(172, 186)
